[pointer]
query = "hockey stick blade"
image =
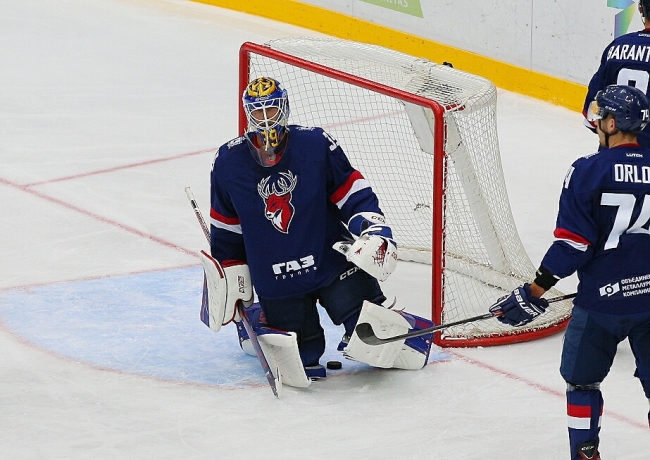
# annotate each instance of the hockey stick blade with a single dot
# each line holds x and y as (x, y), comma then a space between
(367, 334)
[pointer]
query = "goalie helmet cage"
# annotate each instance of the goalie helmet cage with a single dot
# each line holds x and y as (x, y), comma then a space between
(425, 137)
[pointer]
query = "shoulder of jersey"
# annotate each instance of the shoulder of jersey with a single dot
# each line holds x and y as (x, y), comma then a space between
(230, 150)
(595, 161)
(235, 143)
(589, 156)
(632, 38)
(305, 130)
(232, 147)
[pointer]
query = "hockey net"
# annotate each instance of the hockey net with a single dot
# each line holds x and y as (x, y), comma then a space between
(425, 137)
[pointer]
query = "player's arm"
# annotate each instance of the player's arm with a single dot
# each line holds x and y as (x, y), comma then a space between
(570, 251)
(575, 230)
(227, 278)
(373, 249)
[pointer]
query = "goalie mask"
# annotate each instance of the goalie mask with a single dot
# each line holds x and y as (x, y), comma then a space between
(266, 105)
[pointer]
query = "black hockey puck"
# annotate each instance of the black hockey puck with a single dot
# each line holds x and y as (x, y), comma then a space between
(334, 365)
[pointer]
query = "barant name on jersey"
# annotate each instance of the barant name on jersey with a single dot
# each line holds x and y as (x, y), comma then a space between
(625, 61)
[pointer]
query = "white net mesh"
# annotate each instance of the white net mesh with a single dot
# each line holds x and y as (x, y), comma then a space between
(391, 142)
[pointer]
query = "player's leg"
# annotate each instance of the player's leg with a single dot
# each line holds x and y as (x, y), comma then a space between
(640, 343)
(343, 298)
(299, 315)
(588, 352)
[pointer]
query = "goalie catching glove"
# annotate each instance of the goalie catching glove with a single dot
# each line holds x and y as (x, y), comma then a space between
(374, 250)
(223, 288)
(519, 307)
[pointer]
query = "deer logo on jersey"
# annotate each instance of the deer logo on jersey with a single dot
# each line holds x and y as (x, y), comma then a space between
(277, 200)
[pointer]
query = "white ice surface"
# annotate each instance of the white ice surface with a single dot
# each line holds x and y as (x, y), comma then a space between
(108, 109)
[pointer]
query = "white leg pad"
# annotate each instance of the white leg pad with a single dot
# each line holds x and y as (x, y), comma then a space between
(409, 358)
(248, 348)
(281, 351)
(385, 323)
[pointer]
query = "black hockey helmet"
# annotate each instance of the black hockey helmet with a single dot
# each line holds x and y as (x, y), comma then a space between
(645, 8)
(628, 105)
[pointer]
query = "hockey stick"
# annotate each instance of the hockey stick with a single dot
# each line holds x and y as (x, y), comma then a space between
(367, 334)
(197, 213)
(274, 383)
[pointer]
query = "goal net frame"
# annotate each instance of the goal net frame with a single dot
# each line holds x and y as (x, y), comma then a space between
(440, 132)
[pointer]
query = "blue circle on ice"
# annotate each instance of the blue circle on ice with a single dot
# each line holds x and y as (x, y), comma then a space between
(146, 324)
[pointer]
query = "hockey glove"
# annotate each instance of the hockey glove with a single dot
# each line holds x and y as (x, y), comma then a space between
(519, 307)
(369, 223)
(374, 251)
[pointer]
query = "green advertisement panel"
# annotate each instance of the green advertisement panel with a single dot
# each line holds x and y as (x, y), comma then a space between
(411, 7)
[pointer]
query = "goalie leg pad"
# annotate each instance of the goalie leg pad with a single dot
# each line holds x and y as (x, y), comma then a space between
(387, 323)
(280, 349)
(410, 354)
(415, 352)
(300, 315)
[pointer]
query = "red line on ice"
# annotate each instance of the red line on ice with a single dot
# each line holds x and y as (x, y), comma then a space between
(543, 388)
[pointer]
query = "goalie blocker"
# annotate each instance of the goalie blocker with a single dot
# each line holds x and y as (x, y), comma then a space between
(222, 289)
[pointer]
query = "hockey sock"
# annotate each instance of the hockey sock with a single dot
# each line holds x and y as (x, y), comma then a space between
(584, 410)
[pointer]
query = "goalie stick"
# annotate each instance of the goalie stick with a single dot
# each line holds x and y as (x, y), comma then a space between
(274, 383)
(197, 213)
(367, 334)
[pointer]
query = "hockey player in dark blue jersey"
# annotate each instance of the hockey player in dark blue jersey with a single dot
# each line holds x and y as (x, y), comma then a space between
(625, 61)
(291, 216)
(602, 234)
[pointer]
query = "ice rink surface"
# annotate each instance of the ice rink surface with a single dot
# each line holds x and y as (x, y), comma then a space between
(108, 110)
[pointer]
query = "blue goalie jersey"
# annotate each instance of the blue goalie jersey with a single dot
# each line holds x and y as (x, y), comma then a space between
(625, 61)
(283, 220)
(602, 230)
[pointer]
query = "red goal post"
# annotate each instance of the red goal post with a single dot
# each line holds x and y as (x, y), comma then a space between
(418, 132)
